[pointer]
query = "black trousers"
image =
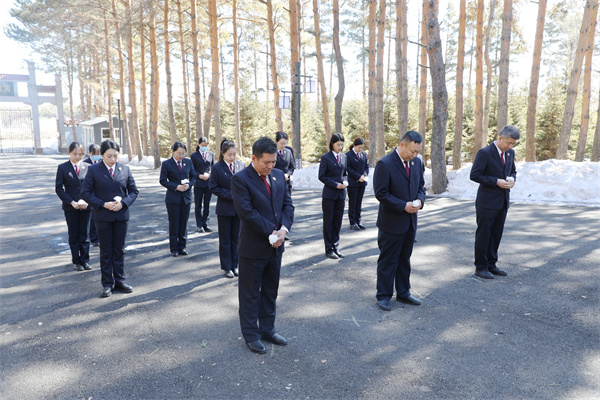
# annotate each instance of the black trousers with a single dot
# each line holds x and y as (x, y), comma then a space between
(258, 286)
(490, 225)
(202, 197)
(93, 233)
(355, 198)
(393, 264)
(229, 232)
(112, 245)
(333, 213)
(178, 219)
(78, 225)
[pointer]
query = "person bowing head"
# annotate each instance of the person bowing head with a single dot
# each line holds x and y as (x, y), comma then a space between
(203, 160)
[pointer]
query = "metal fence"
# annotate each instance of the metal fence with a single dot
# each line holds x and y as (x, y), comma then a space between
(16, 131)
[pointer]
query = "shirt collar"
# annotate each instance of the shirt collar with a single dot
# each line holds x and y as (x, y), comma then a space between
(399, 156)
(498, 148)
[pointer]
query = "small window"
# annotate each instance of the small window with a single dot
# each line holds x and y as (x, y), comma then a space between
(105, 133)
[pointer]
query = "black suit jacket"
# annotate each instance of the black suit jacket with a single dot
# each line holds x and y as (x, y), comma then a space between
(99, 188)
(393, 188)
(202, 165)
(171, 177)
(68, 185)
(220, 185)
(261, 213)
(486, 170)
(356, 168)
(286, 163)
(331, 173)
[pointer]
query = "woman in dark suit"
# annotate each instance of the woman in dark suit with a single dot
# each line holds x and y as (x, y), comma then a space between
(177, 174)
(110, 189)
(203, 160)
(93, 158)
(285, 158)
(358, 175)
(69, 179)
(227, 218)
(332, 172)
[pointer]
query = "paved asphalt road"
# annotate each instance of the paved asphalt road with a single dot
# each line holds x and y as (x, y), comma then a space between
(531, 335)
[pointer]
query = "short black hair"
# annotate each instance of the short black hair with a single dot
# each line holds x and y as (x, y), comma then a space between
(109, 144)
(202, 140)
(178, 145)
(336, 137)
(510, 131)
(357, 142)
(412, 136)
(94, 148)
(226, 144)
(75, 145)
(280, 135)
(262, 146)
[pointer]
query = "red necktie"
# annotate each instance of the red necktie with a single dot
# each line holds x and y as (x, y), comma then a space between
(231, 168)
(358, 154)
(203, 156)
(338, 160)
(111, 172)
(264, 178)
(179, 165)
(76, 169)
(281, 153)
(407, 169)
(502, 157)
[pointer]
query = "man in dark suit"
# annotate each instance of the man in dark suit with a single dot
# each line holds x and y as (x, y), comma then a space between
(494, 170)
(265, 208)
(400, 188)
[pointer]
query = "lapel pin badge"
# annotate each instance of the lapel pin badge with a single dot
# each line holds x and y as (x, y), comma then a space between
(412, 163)
(184, 164)
(274, 178)
(119, 168)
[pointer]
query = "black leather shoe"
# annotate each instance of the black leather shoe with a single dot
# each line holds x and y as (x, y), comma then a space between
(86, 266)
(331, 255)
(183, 252)
(256, 347)
(337, 253)
(362, 227)
(107, 291)
(229, 274)
(78, 267)
(199, 230)
(276, 339)
(384, 305)
(409, 300)
(207, 228)
(174, 254)
(123, 288)
(497, 271)
(236, 272)
(484, 274)
(354, 227)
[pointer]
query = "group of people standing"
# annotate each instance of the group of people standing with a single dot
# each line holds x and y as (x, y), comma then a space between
(255, 211)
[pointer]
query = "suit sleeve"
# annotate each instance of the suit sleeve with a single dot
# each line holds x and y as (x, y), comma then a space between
(323, 174)
(164, 179)
(513, 167)
(214, 184)
(193, 175)
(292, 165)
(478, 170)
(352, 174)
(381, 187)
(287, 213)
(87, 191)
(60, 187)
(132, 190)
(242, 202)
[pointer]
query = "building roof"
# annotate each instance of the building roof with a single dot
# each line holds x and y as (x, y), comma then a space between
(95, 121)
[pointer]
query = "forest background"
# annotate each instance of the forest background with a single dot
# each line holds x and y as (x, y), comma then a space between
(190, 68)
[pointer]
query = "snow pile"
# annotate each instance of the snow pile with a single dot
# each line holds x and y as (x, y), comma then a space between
(545, 182)
(147, 162)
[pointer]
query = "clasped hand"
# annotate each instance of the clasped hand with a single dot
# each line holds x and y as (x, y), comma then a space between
(504, 184)
(280, 237)
(183, 188)
(113, 205)
(409, 208)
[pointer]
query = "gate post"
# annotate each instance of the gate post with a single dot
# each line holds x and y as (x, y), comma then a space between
(35, 114)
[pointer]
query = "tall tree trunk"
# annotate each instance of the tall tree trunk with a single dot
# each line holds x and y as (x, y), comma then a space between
(587, 83)
(154, 87)
(236, 101)
(401, 67)
(132, 89)
(196, 60)
(423, 83)
(320, 72)
(294, 57)
(596, 144)
(504, 65)
(488, 89)
(565, 133)
(167, 40)
(82, 84)
(273, 55)
(339, 61)
(70, 88)
(478, 139)
(440, 100)
(108, 76)
(460, 67)
(534, 81)
(364, 63)
(144, 100)
(186, 99)
(380, 149)
(372, 74)
(122, 125)
(213, 97)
